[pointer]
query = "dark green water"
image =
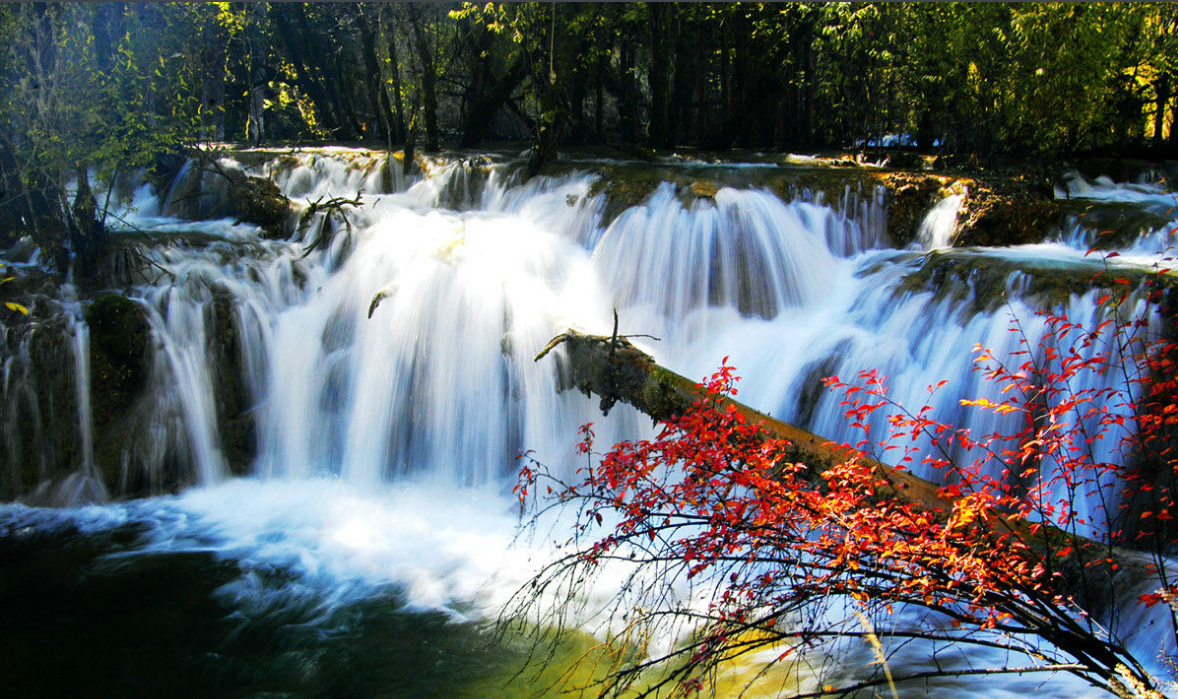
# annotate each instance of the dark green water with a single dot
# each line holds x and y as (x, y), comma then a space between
(94, 615)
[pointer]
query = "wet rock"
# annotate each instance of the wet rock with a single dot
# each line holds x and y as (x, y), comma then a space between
(39, 437)
(236, 419)
(979, 281)
(994, 218)
(911, 197)
(703, 189)
(120, 338)
(1115, 224)
(259, 201)
(908, 160)
(623, 187)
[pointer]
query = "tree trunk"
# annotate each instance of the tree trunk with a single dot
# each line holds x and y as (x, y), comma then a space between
(599, 98)
(742, 96)
(725, 83)
(686, 50)
(628, 107)
(550, 113)
(486, 103)
(616, 371)
(1162, 86)
(429, 96)
(259, 76)
(658, 131)
(378, 96)
(399, 133)
(87, 234)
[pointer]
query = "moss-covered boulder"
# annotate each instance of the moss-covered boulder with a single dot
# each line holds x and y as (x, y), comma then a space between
(259, 201)
(119, 338)
(38, 408)
(624, 187)
(994, 218)
(235, 417)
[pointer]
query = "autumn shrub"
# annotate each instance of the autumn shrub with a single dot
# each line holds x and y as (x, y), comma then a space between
(734, 548)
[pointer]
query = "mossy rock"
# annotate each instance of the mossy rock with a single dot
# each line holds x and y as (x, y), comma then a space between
(980, 280)
(624, 188)
(235, 417)
(259, 201)
(994, 220)
(703, 189)
(911, 197)
(47, 440)
(119, 337)
(909, 160)
(119, 340)
(1116, 224)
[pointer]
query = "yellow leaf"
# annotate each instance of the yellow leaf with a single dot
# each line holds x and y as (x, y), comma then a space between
(16, 307)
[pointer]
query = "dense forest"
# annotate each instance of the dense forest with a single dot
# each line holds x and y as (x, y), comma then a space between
(966, 78)
(109, 86)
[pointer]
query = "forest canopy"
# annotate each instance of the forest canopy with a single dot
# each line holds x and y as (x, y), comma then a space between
(105, 88)
(966, 77)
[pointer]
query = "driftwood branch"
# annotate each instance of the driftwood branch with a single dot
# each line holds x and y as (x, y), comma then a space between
(331, 207)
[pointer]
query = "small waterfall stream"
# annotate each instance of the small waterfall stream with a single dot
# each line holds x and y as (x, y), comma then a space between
(388, 380)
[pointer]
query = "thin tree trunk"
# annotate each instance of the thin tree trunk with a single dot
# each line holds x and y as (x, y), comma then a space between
(1162, 86)
(429, 96)
(628, 109)
(599, 98)
(398, 126)
(305, 78)
(258, 78)
(725, 80)
(659, 16)
(378, 96)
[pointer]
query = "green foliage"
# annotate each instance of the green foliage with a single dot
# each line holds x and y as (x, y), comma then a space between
(106, 88)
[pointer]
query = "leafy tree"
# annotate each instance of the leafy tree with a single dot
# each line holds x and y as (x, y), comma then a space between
(85, 94)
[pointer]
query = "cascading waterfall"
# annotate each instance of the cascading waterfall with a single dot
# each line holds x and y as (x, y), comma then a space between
(939, 225)
(396, 360)
(83, 486)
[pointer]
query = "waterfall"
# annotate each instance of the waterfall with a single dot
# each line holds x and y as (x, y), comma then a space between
(402, 347)
(378, 387)
(83, 486)
(940, 223)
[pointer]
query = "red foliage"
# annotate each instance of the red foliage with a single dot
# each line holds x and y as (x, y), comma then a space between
(713, 498)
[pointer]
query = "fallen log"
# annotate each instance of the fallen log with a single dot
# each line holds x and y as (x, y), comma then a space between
(612, 368)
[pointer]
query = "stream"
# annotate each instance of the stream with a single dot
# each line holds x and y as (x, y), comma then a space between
(384, 361)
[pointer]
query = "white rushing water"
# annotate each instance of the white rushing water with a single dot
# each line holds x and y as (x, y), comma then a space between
(390, 374)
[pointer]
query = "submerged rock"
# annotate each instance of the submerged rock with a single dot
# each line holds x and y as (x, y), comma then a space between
(38, 409)
(234, 407)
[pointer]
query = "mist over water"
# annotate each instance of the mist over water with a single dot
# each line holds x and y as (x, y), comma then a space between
(386, 357)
